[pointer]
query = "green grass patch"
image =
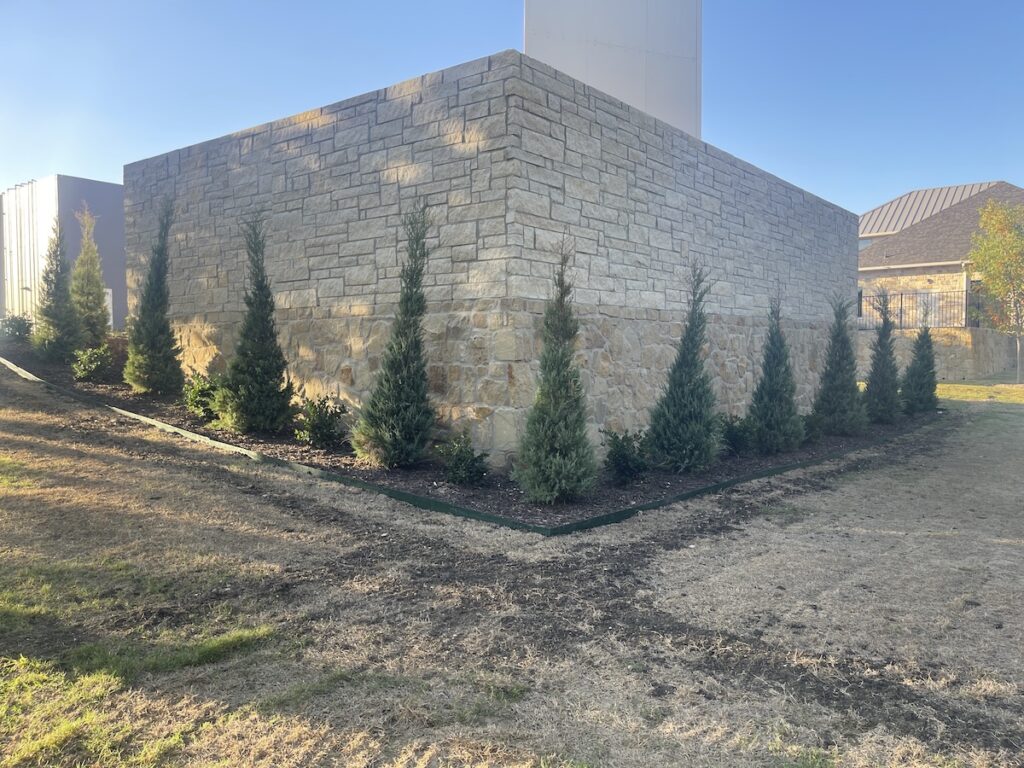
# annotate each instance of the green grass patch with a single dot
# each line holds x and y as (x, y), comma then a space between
(128, 660)
(13, 474)
(981, 392)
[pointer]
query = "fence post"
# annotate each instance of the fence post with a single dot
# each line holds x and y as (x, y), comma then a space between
(901, 312)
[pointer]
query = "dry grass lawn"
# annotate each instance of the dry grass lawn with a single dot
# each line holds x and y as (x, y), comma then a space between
(164, 605)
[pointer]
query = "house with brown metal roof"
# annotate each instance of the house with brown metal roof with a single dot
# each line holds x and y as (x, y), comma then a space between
(917, 248)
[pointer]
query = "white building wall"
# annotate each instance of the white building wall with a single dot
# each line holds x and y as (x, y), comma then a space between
(646, 53)
(28, 213)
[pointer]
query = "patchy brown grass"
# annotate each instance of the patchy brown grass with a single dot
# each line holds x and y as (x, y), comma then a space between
(163, 605)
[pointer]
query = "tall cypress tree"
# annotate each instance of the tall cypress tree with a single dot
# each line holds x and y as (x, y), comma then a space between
(919, 380)
(395, 424)
(152, 364)
(57, 333)
(775, 423)
(256, 395)
(838, 405)
(882, 394)
(556, 460)
(685, 432)
(88, 294)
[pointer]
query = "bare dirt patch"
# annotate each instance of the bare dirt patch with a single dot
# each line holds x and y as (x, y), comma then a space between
(864, 612)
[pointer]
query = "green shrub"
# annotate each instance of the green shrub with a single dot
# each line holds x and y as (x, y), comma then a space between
(919, 380)
(463, 465)
(198, 394)
(57, 331)
(395, 424)
(736, 438)
(838, 405)
(152, 364)
(684, 433)
(812, 428)
(95, 364)
(625, 461)
(556, 460)
(882, 393)
(88, 292)
(775, 424)
(323, 424)
(256, 395)
(16, 327)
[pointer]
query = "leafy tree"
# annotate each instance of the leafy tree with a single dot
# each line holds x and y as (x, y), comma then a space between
(685, 431)
(395, 424)
(152, 350)
(998, 254)
(88, 294)
(256, 395)
(838, 405)
(57, 331)
(556, 460)
(882, 395)
(919, 381)
(775, 423)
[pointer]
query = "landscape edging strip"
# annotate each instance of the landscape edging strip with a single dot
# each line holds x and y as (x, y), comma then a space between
(436, 505)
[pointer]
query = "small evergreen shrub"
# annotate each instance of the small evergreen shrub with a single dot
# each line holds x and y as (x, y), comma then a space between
(395, 424)
(463, 465)
(256, 395)
(775, 424)
(625, 460)
(556, 460)
(152, 364)
(16, 327)
(919, 380)
(838, 404)
(57, 331)
(198, 394)
(323, 424)
(95, 364)
(812, 428)
(88, 293)
(735, 435)
(684, 435)
(882, 394)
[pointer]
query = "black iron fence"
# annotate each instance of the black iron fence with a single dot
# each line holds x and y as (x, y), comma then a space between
(936, 309)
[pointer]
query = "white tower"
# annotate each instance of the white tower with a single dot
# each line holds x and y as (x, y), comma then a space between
(644, 52)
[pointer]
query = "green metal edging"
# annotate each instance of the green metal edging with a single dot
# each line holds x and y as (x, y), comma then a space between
(436, 505)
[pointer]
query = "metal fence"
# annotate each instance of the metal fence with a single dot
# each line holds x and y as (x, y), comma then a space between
(938, 309)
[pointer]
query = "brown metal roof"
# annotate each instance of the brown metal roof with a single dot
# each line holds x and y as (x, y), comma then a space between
(908, 209)
(944, 237)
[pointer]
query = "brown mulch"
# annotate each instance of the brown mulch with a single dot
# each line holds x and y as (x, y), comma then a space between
(499, 494)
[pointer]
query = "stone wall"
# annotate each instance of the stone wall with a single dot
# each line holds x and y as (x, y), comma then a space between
(961, 354)
(510, 155)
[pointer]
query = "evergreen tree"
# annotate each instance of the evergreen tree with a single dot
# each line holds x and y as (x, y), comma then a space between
(395, 424)
(152, 364)
(775, 423)
(919, 381)
(882, 395)
(56, 333)
(556, 460)
(685, 432)
(256, 395)
(838, 405)
(88, 293)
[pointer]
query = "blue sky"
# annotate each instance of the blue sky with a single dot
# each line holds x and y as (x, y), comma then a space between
(856, 102)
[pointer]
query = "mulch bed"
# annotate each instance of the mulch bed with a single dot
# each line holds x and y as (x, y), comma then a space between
(498, 495)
